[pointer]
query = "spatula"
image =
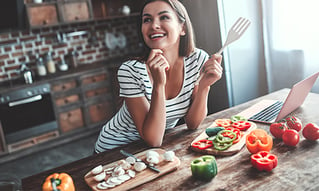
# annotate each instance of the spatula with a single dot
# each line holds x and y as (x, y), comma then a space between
(234, 33)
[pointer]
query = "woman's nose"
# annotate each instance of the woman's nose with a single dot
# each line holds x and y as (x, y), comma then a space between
(156, 24)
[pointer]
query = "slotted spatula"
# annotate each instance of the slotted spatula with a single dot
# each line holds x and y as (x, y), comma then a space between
(234, 33)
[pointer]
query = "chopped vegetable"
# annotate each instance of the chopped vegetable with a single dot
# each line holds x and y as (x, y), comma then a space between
(258, 140)
(169, 156)
(211, 131)
(204, 167)
(97, 170)
(236, 118)
(238, 134)
(223, 122)
(264, 161)
(242, 125)
(202, 144)
(61, 181)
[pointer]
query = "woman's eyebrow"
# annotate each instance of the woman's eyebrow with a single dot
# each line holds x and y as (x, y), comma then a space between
(160, 13)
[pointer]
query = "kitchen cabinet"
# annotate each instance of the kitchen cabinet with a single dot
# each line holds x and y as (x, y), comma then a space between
(97, 97)
(58, 12)
(67, 101)
(42, 14)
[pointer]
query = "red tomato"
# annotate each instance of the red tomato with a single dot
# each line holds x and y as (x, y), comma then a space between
(277, 129)
(294, 123)
(311, 132)
(291, 137)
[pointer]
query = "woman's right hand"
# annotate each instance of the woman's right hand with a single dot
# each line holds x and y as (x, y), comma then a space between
(158, 66)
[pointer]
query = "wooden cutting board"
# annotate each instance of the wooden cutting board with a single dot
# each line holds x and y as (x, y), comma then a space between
(141, 177)
(231, 150)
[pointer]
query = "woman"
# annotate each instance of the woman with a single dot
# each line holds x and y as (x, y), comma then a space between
(160, 89)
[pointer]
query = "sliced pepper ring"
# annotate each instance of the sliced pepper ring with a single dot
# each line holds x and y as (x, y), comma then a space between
(202, 144)
(242, 125)
(223, 122)
(264, 160)
(226, 136)
(238, 134)
(221, 146)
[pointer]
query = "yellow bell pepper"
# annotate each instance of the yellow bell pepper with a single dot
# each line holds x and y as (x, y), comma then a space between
(58, 181)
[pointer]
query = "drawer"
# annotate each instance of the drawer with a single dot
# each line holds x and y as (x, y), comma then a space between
(94, 79)
(71, 120)
(64, 86)
(96, 92)
(42, 14)
(100, 112)
(67, 100)
(75, 11)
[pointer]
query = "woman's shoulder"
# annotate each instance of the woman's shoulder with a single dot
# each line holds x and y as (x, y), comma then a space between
(197, 54)
(132, 64)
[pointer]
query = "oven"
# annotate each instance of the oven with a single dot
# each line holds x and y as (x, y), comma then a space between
(27, 112)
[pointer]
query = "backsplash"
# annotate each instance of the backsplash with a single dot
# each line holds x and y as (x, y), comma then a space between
(89, 42)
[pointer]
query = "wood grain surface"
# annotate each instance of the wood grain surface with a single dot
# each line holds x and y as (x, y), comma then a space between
(141, 177)
(298, 167)
(235, 148)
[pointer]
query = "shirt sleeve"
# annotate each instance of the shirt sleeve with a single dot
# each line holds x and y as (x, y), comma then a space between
(130, 81)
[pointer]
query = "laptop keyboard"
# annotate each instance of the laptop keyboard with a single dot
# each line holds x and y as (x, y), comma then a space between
(268, 113)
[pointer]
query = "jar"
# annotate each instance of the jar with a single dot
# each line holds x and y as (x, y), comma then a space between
(41, 69)
(50, 63)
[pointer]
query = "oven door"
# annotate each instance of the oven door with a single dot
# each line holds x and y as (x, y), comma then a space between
(27, 117)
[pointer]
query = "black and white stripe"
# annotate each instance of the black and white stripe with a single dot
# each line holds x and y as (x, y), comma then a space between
(134, 82)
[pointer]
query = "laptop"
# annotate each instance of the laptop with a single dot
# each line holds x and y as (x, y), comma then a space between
(270, 111)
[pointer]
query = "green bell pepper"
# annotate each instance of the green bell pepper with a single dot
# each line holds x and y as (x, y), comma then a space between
(204, 167)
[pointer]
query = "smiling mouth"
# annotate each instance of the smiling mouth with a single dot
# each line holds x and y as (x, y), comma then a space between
(154, 36)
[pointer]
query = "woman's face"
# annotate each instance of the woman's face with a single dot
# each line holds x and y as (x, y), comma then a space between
(161, 28)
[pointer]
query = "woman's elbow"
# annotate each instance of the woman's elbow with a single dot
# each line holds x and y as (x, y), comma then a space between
(156, 142)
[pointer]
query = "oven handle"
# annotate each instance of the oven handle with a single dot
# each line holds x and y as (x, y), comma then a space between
(24, 101)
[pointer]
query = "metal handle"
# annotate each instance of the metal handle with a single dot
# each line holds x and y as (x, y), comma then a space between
(24, 101)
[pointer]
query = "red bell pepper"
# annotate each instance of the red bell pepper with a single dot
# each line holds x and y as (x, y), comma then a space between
(242, 125)
(264, 161)
(202, 144)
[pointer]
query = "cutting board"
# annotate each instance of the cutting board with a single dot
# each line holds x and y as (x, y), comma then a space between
(235, 148)
(141, 177)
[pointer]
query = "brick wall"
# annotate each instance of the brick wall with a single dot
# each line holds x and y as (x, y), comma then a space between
(23, 46)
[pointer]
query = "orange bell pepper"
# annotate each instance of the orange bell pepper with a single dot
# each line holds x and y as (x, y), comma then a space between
(56, 181)
(258, 140)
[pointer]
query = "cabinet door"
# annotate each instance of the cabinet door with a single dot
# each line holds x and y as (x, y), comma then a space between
(75, 11)
(42, 14)
(71, 120)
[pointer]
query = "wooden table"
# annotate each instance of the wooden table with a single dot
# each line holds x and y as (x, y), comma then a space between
(298, 167)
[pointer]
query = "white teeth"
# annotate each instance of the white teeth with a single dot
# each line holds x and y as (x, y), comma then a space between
(157, 35)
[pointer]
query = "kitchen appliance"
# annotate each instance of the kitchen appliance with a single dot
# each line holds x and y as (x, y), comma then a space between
(26, 113)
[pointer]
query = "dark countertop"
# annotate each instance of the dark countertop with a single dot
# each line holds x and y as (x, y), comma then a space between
(15, 84)
(297, 166)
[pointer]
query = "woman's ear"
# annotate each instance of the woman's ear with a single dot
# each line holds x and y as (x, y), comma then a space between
(183, 31)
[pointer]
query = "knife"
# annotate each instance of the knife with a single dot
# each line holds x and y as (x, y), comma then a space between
(137, 159)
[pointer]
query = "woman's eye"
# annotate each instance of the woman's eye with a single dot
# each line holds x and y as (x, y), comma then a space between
(164, 17)
(145, 20)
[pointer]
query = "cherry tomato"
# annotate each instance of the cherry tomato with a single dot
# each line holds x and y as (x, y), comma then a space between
(291, 137)
(277, 129)
(311, 132)
(294, 123)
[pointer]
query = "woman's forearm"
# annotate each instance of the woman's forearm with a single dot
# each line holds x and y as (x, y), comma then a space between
(198, 110)
(155, 121)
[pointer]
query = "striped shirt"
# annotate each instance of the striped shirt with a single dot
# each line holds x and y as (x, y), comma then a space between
(135, 82)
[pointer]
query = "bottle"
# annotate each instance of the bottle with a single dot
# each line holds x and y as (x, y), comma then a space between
(42, 71)
(50, 63)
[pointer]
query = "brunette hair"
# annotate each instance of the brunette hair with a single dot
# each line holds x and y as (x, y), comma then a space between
(187, 42)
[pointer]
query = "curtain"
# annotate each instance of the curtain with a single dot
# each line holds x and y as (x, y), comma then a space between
(291, 34)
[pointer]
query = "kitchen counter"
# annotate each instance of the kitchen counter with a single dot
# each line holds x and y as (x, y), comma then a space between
(298, 167)
(81, 69)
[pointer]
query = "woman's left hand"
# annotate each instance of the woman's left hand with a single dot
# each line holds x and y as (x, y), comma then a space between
(212, 71)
